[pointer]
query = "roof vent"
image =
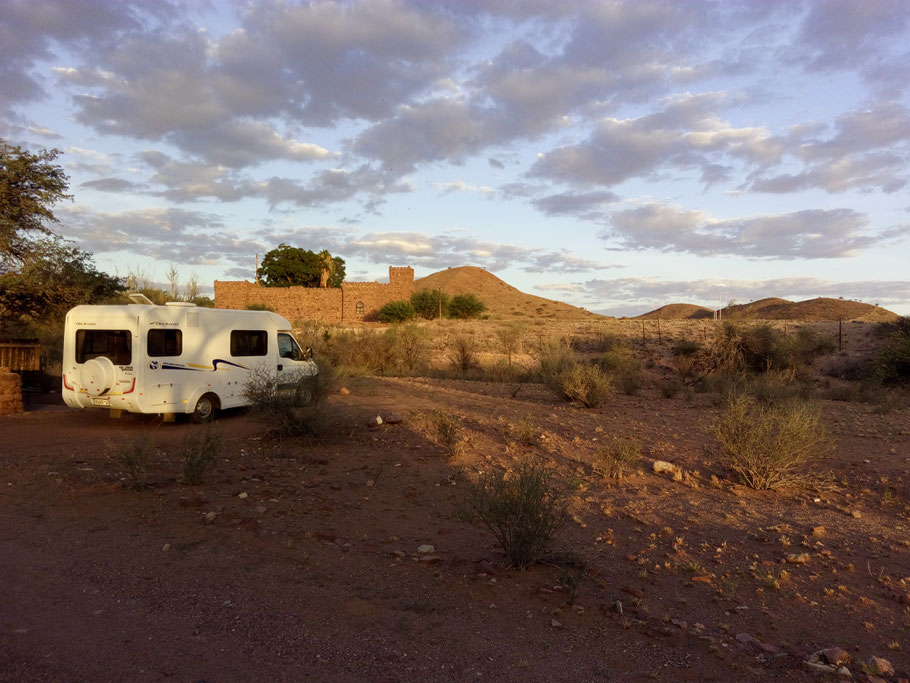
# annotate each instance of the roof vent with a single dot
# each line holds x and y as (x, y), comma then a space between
(180, 304)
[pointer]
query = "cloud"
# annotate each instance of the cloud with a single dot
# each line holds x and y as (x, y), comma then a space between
(809, 234)
(461, 186)
(555, 287)
(685, 134)
(587, 205)
(113, 185)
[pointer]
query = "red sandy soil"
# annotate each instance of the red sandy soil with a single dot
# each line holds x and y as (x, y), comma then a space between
(314, 573)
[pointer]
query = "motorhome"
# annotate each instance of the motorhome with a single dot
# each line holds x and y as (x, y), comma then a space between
(175, 359)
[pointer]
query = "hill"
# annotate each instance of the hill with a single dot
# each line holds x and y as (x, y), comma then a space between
(502, 299)
(781, 309)
(679, 312)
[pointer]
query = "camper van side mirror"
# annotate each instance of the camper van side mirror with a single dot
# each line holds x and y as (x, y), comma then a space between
(308, 354)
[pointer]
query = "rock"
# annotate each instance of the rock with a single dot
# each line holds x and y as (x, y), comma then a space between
(856, 514)
(835, 656)
(242, 495)
(210, 517)
(879, 667)
(344, 391)
(400, 554)
(394, 419)
(260, 509)
(430, 559)
(819, 531)
(816, 666)
(425, 549)
(375, 422)
(634, 592)
(555, 624)
(744, 638)
(664, 467)
(798, 558)
(844, 672)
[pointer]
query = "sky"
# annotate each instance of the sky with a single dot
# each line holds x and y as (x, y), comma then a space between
(617, 156)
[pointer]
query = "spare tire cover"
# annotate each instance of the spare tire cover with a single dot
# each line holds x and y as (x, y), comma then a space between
(97, 375)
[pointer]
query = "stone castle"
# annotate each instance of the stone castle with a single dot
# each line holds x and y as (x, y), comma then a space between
(352, 302)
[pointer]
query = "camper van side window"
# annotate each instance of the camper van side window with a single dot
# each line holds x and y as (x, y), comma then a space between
(165, 343)
(249, 342)
(114, 344)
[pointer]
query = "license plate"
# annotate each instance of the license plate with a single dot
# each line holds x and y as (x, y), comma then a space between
(103, 401)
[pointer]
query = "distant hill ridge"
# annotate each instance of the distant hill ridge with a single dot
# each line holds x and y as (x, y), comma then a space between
(501, 299)
(781, 309)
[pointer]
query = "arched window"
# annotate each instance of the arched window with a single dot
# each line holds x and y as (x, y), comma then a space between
(359, 308)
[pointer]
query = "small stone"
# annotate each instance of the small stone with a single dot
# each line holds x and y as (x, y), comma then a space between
(394, 419)
(260, 509)
(166, 547)
(856, 514)
(879, 667)
(824, 668)
(243, 495)
(744, 638)
(344, 391)
(400, 554)
(836, 656)
(555, 624)
(819, 531)
(210, 517)
(371, 483)
(376, 421)
(430, 559)
(425, 549)
(664, 467)
(844, 672)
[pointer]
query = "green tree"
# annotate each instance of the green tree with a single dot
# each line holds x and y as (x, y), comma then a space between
(466, 306)
(30, 184)
(56, 277)
(287, 266)
(429, 302)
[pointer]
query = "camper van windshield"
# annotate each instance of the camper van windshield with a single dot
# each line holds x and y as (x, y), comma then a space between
(114, 344)
(287, 347)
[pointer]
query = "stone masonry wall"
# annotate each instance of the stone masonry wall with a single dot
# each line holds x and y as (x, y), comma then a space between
(332, 304)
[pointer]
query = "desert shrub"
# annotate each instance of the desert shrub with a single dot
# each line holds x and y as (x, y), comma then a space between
(463, 353)
(616, 458)
(198, 451)
(889, 401)
(775, 387)
(619, 359)
(510, 339)
(686, 347)
(669, 388)
(601, 342)
(501, 371)
(586, 385)
(409, 345)
(428, 303)
(629, 383)
(524, 431)
(523, 511)
(761, 348)
(136, 457)
(770, 447)
(466, 306)
(290, 408)
(396, 312)
(260, 307)
(555, 359)
(891, 365)
(366, 352)
(442, 428)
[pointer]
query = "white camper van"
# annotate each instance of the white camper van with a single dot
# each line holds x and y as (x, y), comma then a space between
(176, 358)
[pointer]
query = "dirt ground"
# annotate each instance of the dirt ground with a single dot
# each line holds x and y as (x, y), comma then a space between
(298, 558)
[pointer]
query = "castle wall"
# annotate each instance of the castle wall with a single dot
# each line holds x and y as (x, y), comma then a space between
(331, 304)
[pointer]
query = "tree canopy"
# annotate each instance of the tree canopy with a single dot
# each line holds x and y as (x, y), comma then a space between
(30, 184)
(287, 266)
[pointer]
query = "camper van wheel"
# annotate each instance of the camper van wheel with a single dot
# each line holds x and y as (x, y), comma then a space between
(205, 408)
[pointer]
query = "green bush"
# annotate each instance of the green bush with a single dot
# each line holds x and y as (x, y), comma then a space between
(353, 353)
(466, 306)
(617, 457)
(396, 312)
(770, 447)
(686, 347)
(523, 511)
(428, 303)
(555, 359)
(198, 451)
(260, 307)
